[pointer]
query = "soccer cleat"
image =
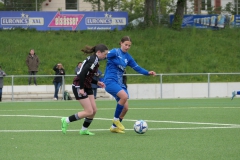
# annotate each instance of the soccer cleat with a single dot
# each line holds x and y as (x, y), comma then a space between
(86, 132)
(118, 124)
(233, 95)
(64, 125)
(116, 130)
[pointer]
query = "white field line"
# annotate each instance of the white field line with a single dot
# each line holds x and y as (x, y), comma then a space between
(130, 120)
(152, 129)
(216, 125)
(113, 108)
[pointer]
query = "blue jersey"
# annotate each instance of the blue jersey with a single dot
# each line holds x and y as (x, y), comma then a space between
(117, 61)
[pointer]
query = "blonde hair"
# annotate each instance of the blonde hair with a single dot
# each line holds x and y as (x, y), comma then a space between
(60, 64)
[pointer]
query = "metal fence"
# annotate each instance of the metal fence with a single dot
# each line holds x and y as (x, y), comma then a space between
(161, 79)
(13, 77)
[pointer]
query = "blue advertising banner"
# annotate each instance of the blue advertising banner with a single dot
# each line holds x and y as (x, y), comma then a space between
(209, 21)
(43, 21)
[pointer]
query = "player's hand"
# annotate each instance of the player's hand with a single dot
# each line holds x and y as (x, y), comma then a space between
(152, 73)
(81, 91)
(101, 84)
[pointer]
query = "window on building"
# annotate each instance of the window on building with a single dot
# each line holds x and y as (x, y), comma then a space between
(71, 4)
(206, 4)
(237, 6)
(203, 5)
(209, 4)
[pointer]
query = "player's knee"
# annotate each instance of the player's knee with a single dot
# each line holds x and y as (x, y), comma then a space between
(89, 112)
(124, 97)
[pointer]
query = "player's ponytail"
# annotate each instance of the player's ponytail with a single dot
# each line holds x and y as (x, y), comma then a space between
(90, 50)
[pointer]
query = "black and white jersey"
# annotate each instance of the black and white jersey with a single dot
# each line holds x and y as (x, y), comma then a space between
(85, 74)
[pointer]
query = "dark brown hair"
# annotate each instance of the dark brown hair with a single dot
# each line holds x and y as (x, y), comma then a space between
(125, 38)
(90, 50)
(78, 63)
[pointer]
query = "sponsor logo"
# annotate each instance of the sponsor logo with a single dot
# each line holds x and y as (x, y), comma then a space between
(23, 20)
(66, 20)
(108, 19)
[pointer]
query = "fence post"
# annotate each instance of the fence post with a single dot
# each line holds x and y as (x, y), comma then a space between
(161, 85)
(208, 85)
(12, 87)
(63, 86)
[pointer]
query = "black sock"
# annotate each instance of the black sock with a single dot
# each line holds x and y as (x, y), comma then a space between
(120, 119)
(73, 118)
(87, 122)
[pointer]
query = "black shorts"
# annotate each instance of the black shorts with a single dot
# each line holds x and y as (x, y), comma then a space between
(88, 91)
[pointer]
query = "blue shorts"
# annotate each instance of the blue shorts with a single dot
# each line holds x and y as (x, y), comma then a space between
(112, 87)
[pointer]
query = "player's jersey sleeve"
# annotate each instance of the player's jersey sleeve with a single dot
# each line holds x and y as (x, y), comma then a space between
(112, 53)
(88, 65)
(133, 64)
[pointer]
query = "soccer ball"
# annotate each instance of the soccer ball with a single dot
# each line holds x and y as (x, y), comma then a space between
(140, 127)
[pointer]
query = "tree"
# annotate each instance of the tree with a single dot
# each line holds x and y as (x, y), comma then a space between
(135, 8)
(150, 15)
(111, 5)
(230, 8)
(178, 16)
(96, 4)
(22, 5)
(1, 6)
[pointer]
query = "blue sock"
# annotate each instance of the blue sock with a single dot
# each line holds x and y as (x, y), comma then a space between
(118, 110)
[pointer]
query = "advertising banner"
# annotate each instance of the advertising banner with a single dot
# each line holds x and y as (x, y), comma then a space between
(209, 21)
(43, 21)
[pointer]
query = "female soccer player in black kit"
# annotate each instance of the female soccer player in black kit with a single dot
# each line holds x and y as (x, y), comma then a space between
(82, 88)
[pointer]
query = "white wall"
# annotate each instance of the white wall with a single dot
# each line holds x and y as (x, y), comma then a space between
(182, 90)
(55, 4)
(152, 91)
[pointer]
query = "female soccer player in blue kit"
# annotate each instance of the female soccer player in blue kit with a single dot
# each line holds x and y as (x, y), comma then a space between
(83, 91)
(234, 93)
(117, 60)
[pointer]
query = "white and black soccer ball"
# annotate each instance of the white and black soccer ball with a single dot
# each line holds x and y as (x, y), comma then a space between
(140, 127)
